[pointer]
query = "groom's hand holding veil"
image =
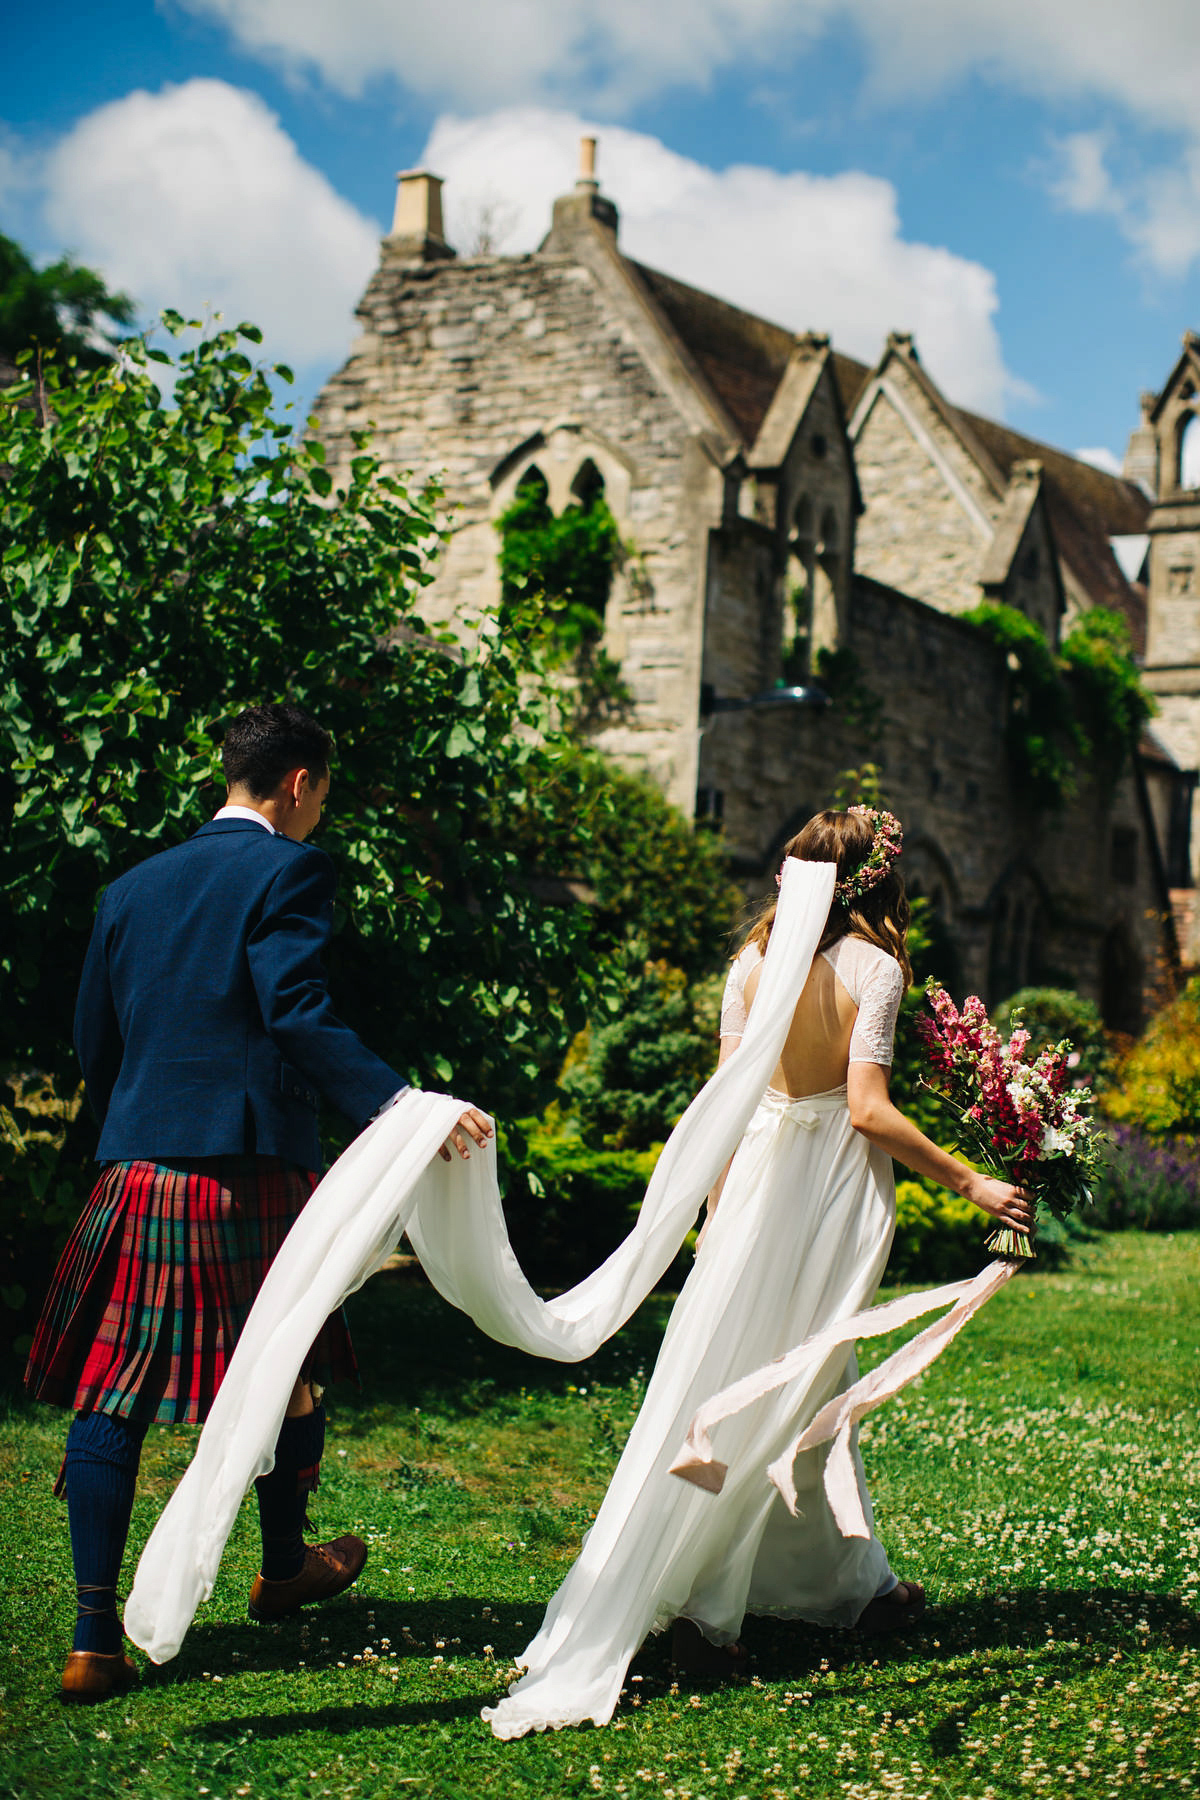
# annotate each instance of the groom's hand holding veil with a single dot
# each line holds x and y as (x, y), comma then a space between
(474, 1125)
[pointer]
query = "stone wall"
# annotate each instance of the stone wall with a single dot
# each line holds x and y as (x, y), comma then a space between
(1025, 898)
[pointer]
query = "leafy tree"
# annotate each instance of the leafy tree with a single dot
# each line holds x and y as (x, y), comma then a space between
(65, 306)
(164, 562)
(1051, 1014)
(647, 874)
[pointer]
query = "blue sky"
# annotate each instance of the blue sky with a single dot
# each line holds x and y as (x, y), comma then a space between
(1017, 181)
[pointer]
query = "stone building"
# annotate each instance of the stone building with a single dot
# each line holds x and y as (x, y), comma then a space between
(776, 499)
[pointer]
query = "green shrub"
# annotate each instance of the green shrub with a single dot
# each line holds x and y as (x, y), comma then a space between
(1157, 1087)
(1051, 1014)
(630, 1078)
(568, 1207)
(939, 1237)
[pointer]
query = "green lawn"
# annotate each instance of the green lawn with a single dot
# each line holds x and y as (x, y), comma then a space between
(1042, 1480)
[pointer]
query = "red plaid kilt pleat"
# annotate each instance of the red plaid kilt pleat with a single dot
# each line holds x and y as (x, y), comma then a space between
(156, 1282)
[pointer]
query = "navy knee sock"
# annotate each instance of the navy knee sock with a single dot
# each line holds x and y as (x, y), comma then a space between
(101, 1472)
(283, 1494)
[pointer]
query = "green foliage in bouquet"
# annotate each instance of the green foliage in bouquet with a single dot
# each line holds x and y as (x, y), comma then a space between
(1016, 1113)
(1157, 1086)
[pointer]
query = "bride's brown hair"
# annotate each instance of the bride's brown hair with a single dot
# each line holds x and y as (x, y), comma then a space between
(880, 915)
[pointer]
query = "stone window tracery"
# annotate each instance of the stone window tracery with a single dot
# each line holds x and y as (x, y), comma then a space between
(796, 622)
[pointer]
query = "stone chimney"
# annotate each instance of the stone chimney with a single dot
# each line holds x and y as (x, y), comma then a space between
(1141, 457)
(417, 233)
(585, 204)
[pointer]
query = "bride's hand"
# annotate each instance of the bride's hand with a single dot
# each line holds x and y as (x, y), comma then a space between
(1006, 1204)
(476, 1125)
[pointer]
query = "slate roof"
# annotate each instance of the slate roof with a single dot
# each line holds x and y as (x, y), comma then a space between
(742, 357)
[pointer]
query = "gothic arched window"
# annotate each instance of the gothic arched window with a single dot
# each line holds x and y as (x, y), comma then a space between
(796, 612)
(588, 484)
(1189, 451)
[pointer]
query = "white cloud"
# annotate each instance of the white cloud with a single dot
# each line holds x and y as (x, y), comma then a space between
(1078, 177)
(1142, 61)
(1158, 212)
(820, 252)
(194, 197)
(1100, 457)
(478, 52)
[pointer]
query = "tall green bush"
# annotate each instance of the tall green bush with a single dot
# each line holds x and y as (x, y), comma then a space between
(648, 874)
(169, 556)
(638, 1071)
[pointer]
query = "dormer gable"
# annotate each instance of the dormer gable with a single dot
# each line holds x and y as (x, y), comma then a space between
(1021, 568)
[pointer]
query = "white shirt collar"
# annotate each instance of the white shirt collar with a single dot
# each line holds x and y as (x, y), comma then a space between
(245, 812)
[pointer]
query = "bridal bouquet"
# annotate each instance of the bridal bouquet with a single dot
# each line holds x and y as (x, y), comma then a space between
(1020, 1118)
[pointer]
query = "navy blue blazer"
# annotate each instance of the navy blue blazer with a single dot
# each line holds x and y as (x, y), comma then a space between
(204, 1024)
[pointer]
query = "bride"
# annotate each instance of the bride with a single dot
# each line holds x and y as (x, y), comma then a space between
(796, 1239)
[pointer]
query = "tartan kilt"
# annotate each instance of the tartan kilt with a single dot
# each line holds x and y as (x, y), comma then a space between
(156, 1282)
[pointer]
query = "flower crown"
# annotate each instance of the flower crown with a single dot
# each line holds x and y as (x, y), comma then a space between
(885, 848)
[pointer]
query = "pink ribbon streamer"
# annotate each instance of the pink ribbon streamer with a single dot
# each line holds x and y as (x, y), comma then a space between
(837, 1419)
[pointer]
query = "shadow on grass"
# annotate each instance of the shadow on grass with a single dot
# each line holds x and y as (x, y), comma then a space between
(1070, 1625)
(321, 1639)
(948, 1648)
(342, 1719)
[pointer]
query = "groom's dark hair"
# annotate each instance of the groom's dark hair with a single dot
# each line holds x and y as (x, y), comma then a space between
(265, 743)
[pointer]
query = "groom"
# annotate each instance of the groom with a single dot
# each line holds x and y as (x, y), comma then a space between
(207, 1037)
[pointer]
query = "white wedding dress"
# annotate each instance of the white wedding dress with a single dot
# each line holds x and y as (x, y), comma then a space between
(798, 1243)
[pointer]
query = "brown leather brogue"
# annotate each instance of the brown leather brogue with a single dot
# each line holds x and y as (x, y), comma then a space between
(329, 1569)
(90, 1676)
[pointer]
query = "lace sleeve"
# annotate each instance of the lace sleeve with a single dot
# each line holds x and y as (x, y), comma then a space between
(880, 991)
(733, 1003)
